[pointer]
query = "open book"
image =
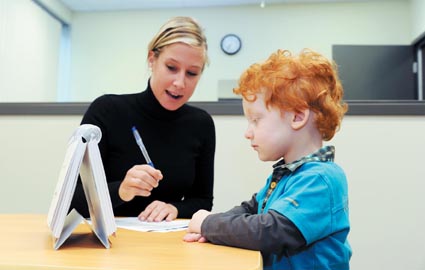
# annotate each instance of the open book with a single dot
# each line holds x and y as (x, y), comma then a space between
(82, 158)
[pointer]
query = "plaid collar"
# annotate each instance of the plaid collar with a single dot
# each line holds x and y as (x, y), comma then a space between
(326, 153)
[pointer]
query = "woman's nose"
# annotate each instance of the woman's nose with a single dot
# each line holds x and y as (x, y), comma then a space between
(179, 80)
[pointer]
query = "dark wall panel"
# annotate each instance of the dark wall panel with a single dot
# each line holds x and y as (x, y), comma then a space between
(376, 72)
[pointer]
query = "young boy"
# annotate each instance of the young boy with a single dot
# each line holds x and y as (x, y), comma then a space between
(299, 219)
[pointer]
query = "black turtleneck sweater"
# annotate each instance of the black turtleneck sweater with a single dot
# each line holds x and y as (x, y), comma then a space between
(180, 143)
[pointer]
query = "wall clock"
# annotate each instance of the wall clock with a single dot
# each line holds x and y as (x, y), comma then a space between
(231, 44)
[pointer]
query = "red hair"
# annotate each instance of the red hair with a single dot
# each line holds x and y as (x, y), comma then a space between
(294, 83)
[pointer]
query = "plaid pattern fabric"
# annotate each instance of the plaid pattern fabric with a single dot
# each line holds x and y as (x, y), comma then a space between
(324, 154)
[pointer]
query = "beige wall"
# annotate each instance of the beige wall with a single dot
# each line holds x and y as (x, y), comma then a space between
(382, 156)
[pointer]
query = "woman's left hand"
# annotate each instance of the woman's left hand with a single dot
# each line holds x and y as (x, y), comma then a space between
(159, 211)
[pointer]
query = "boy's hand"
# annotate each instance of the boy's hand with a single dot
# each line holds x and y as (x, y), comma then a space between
(194, 237)
(194, 228)
(196, 221)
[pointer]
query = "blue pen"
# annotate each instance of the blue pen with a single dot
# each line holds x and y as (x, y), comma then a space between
(142, 146)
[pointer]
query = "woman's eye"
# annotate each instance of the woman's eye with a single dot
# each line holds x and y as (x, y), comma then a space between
(192, 74)
(172, 68)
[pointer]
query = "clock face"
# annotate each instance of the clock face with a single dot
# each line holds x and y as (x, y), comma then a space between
(231, 44)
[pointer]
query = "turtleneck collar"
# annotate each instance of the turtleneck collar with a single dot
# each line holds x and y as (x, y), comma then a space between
(151, 106)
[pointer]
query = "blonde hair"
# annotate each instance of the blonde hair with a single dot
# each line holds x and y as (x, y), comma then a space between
(179, 29)
(294, 83)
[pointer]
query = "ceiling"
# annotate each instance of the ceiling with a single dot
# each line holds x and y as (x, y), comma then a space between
(108, 5)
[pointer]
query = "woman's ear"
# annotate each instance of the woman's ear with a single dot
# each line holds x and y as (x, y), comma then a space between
(151, 58)
(300, 119)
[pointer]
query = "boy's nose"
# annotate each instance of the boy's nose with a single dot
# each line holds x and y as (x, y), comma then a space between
(248, 134)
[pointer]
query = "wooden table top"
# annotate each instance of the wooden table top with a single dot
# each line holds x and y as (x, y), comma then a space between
(27, 244)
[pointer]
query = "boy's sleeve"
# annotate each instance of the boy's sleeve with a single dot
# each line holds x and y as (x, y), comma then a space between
(246, 207)
(269, 232)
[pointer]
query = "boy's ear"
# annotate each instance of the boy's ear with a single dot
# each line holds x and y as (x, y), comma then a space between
(300, 119)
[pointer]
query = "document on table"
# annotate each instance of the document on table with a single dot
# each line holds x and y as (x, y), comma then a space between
(133, 223)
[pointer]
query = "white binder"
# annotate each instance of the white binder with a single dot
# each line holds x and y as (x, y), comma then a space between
(82, 158)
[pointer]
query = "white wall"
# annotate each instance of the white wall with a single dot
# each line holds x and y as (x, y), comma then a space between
(58, 8)
(382, 156)
(418, 18)
(109, 48)
(29, 52)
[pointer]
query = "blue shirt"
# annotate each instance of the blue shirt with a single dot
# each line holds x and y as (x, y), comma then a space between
(313, 194)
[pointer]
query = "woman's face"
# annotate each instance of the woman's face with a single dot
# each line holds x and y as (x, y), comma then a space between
(175, 74)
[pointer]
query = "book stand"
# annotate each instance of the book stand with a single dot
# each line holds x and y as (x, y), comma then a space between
(82, 158)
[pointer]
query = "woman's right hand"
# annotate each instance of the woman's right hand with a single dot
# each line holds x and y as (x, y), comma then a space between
(139, 181)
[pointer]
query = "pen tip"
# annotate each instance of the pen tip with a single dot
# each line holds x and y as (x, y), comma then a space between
(133, 128)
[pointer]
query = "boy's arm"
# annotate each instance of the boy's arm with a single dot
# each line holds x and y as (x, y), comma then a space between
(269, 232)
(246, 207)
(194, 228)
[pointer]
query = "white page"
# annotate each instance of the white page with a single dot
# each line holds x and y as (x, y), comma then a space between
(66, 185)
(133, 223)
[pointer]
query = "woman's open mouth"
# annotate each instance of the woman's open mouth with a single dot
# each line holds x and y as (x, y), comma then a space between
(174, 96)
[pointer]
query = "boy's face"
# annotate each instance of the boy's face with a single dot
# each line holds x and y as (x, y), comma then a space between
(269, 130)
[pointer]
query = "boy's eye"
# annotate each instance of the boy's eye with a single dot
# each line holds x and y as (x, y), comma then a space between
(253, 120)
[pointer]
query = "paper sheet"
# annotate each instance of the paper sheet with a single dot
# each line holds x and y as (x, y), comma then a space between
(133, 223)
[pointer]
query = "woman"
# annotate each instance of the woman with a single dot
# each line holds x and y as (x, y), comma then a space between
(179, 138)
